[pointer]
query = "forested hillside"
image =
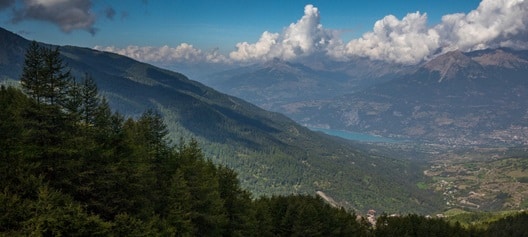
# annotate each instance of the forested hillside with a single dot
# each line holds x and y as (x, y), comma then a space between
(98, 174)
(270, 152)
(71, 167)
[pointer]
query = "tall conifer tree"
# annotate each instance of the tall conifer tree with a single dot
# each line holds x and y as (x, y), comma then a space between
(90, 100)
(32, 74)
(45, 77)
(56, 78)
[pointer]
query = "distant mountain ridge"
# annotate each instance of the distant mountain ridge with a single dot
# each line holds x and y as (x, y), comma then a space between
(456, 98)
(271, 153)
(476, 98)
(278, 85)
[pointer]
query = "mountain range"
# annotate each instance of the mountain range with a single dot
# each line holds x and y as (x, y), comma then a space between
(280, 86)
(476, 98)
(271, 153)
(457, 98)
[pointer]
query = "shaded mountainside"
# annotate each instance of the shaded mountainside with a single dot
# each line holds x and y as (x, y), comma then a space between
(271, 153)
(12, 54)
(457, 98)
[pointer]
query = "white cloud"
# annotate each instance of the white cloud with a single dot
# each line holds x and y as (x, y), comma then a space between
(182, 53)
(495, 23)
(259, 50)
(405, 41)
(302, 38)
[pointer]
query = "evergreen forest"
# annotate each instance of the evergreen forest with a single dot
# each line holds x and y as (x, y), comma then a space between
(70, 166)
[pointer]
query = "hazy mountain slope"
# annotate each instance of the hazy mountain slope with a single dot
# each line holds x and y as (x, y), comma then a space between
(456, 98)
(273, 84)
(272, 154)
(284, 87)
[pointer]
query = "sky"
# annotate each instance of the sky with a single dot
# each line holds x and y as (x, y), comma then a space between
(167, 32)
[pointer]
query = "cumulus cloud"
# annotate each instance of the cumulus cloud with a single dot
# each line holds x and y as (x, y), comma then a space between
(69, 15)
(410, 40)
(405, 41)
(260, 50)
(182, 53)
(302, 38)
(495, 23)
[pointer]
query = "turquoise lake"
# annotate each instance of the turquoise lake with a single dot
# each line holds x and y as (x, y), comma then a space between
(354, 136)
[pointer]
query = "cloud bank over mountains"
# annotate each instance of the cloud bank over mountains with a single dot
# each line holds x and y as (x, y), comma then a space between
(410, 40)
(165, 55)
(495, 23)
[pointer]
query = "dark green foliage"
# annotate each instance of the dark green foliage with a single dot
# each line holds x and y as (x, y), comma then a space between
(114, 176)
(120, 177)
(44, 76)
(241, 220)
(415, 225)
(89, 100)
(65, 171)
(305, 216)
(271, 154)
(12, 103)
(56, 214)
(31, 74)
(511, 226)
(207, 211)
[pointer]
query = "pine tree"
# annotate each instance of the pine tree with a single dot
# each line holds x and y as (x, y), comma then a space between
(207, 209)
(56, 214)
(72, 105)
(32, 73)
(237, 203)
(45, 77)
(155, 131)
(56, 78)
(178, 208)
(90, 100)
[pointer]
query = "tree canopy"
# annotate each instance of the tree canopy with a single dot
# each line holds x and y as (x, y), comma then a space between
(70, 166)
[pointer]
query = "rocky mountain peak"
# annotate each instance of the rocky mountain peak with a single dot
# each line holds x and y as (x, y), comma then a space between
(451, 64)
(282, 67)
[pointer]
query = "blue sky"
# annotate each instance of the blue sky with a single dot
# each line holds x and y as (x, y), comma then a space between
(201, 30)
(212, 23)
